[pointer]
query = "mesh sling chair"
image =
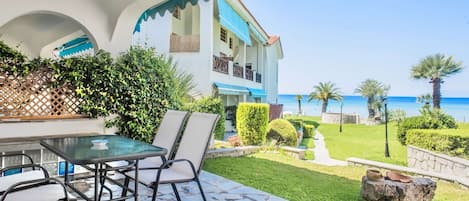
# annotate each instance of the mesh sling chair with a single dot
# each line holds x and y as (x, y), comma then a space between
(186, 165)
(37, 172)
(169, 131)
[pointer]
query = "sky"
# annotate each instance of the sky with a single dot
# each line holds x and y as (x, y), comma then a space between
(347, 42)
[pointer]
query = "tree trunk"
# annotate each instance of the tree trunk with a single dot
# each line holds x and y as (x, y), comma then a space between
(371, 111)
(436, 92)
(299, 107)
(324, 106)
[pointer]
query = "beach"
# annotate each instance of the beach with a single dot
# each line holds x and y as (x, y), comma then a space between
(456, 107)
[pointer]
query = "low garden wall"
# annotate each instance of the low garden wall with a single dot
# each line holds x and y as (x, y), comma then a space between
(439, 163)
(232, 152)
(334, 118)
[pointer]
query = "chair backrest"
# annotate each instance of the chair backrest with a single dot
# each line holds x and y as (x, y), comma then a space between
(170, 130)
(196, 138)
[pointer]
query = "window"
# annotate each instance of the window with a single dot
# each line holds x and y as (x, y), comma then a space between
(249, 66)
(177, 13)
(231, 43)
(223, 34)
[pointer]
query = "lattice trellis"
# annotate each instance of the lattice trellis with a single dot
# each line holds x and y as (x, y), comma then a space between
(33, 98)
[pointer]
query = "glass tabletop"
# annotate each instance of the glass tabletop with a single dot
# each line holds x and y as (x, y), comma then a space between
(101, 148)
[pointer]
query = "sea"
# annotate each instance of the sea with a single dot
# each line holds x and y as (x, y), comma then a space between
(456, 107)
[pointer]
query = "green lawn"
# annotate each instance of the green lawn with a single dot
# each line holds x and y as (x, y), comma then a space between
(309, 144)
(298, 180)
(363, 142)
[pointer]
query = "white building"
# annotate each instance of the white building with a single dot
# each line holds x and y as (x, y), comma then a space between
(221, 44)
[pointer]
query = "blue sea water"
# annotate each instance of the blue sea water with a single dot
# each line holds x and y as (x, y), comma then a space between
(456, 107)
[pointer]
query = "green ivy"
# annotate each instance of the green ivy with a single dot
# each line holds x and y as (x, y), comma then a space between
(210, 105)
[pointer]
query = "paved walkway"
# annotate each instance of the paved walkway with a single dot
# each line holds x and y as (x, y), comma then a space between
(321, 154)
(216, 188)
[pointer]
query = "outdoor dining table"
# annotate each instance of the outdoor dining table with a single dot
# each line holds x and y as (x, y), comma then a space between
(84, 151)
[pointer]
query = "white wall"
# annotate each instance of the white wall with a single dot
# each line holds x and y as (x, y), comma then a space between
(53, 127)
(270, 80)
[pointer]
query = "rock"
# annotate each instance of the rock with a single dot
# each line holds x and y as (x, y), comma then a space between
(420, 189)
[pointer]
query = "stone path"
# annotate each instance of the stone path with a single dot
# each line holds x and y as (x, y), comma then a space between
(216, 188)
(321, 154)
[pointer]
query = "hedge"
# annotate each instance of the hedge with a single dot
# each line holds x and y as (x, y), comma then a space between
(407, 124)
(430, 119)
(283, 132)
(210, 105)
(297, 123)
(251, 122)
(453, 142)
(308, 131)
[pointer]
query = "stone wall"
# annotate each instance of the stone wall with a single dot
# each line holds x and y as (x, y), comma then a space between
(334, 118)
(439, 163)
(232, 152)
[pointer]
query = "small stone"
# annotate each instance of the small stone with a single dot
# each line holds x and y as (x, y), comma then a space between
(420, 189)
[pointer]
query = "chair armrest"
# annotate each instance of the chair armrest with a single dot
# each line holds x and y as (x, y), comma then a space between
(34, 183)
(33, 166)
(168, 163)
(18, 154)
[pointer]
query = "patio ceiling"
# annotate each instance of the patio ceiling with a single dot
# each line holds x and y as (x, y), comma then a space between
(34, 24)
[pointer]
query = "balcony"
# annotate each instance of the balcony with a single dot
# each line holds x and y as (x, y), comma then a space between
(190, 43)
(220, 64)
(238, 71)
(258, 78)
(249, 74)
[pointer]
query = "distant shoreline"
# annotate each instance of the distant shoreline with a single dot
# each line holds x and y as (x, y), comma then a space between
(388, 96)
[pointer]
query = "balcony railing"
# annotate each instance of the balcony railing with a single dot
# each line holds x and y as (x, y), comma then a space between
(258, 78)
(249, 74)
(220, 64)
(238, 71)
(190, 43)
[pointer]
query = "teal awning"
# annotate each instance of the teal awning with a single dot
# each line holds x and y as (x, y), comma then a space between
(169, 5)
(257, 34)
(74, 46)
(228, 89)
(231, 20)
(257, 92)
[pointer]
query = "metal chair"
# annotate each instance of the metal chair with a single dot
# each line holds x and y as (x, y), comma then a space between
(186, 165)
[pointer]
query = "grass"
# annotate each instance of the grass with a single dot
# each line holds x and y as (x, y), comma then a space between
(298, 180)
(309, 144)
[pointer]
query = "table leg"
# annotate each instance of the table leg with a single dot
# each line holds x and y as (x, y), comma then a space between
(96, 181)
(66, 172)
(136, 181)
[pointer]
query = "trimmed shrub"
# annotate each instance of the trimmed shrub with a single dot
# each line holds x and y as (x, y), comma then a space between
(210, 105)
(417, 122)
(312, 123)
(308, 131)
(430, 119)
(283, 132)
(447, 141)
(251, 122)
(297, 123)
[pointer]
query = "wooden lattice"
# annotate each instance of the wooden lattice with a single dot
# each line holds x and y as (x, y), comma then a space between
(33, 98)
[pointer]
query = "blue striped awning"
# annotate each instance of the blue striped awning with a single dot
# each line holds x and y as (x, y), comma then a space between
(256, 92)
(169, 5)
(230, 19)
(228, 89)
(76, 45)
(258, 34)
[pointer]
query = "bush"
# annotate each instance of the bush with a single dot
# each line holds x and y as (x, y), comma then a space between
(448, 141)
(251, 122)
(397, 115)
(308, 131)
(283, 132)
(210, 105)
(430, 119)
(417, 122)
(297, 123)
(311, 123)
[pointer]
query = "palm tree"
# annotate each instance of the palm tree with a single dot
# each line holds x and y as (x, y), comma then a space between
(374, 91)
(323, 92)
(435, 68)
(299, 98)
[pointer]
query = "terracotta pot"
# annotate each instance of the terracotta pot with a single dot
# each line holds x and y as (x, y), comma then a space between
(396, 176)
(374, 175)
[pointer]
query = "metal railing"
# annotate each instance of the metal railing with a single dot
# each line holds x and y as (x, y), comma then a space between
(258, 78)
(220, 64)
(238, 71)
(249, 74)
(190, 43)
